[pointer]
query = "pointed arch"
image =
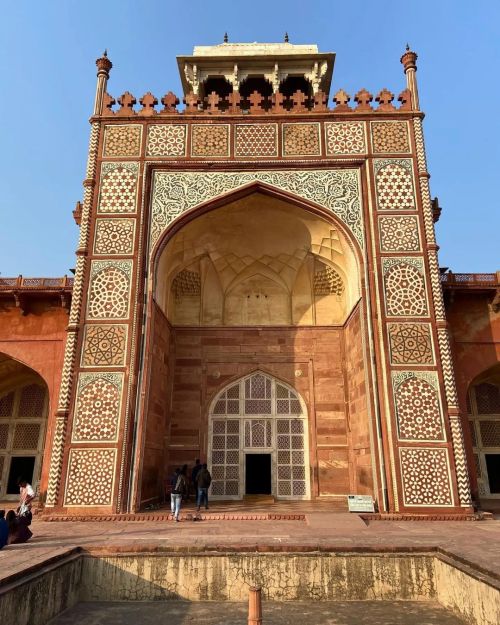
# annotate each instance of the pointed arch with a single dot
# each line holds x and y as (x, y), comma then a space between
(258, 414)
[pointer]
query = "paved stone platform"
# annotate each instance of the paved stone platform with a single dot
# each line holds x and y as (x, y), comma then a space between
(214, 613)
(476, 542)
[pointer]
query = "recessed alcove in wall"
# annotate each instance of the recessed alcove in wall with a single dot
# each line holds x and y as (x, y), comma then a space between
(257, 261)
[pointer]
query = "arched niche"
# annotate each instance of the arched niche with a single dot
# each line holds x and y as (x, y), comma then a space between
(24, 402)
(257, 260)
(483, 407)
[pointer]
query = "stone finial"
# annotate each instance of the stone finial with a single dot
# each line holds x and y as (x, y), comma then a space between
(278, 100)
(104, 64)
(287, 39)
(107, 104)
(405, 98)
(148, 103)
(192, 101)
(341, 99)
(298, 102)
(212, 101)
(409, 59)
(234, 99)
(170, 102)
(363, 99)
(226, 38)
(384, 99)
(126, 102)
(320, 101)
(256, 100)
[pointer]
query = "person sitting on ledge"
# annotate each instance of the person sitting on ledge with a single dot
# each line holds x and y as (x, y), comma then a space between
(19, 531)
(4, 529)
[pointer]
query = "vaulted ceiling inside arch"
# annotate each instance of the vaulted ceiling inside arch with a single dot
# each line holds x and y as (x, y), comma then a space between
(257, 261)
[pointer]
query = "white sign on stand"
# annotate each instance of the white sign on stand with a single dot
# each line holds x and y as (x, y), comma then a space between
(360, 503)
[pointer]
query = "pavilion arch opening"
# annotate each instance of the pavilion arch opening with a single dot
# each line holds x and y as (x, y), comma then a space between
(483, 407)
(259, 283)
(258, 440)
(23, 419)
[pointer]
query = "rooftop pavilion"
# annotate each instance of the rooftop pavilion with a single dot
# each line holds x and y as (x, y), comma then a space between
(273, 67)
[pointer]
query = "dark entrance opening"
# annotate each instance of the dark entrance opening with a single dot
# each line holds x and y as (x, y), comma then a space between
(258, 474)
(493, 467)
(20, 466)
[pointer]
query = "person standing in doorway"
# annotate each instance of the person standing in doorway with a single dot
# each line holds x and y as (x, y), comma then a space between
(194, 475)
(203, 481)
(178, 491)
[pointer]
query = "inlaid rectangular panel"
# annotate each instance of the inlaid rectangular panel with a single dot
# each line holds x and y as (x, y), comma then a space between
(399, 233)
(210, 140)
(104, 345)
(167, 140)
(114, 236)
(390, 136)
(118, 188)
(425, 473)
(410, 343)
(301, 139)
(394, 184)
(344, 138)
(256, 140)
(90, 477)
(122, 140)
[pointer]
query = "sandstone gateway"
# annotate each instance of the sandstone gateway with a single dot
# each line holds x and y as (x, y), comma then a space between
(257, 284)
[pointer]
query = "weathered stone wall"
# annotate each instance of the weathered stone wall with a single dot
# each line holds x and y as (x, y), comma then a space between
(362, 472)
(283, 577)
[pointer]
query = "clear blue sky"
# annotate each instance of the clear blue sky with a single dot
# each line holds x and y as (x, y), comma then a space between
(47, 54)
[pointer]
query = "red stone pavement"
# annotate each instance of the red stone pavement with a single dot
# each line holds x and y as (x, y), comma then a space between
(477, 542)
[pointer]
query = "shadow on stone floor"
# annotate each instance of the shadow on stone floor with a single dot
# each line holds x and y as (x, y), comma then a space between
(274, 613)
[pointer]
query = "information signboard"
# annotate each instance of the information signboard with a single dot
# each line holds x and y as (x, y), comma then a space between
(360, 503)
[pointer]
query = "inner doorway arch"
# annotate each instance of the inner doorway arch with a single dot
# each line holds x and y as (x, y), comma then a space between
(259, 415)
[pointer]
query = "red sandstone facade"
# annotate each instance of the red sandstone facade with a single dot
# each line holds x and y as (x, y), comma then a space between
(345, 378)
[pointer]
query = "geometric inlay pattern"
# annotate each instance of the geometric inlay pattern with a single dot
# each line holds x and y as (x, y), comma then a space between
(301, 140)
(122, 141)
(410, 344)
(399, 234)
(328, 282)
(337, 190)
(256, 140)
(426, 476)
(104, 346)
(345, 138)
(167, 140)
(418, 409)
(109, 290)
(404, 282)
(114, 236)
(118, 188)
(90, 477)
(394, 184)
(210, 140)
(97, 407)
(390, 137)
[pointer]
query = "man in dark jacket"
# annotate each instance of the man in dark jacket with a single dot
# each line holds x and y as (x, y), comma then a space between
(203, 481)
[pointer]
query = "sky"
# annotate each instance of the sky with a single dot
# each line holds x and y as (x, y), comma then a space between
(47, 86)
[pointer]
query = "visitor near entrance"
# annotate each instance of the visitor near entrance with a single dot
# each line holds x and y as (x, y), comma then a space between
(26, 496)
(19, 531)
(194, 473)
(203, 481)
(180, 489)
(4, 529)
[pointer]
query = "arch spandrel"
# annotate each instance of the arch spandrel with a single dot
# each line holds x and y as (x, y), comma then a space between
(257, 260)
(338, 191)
